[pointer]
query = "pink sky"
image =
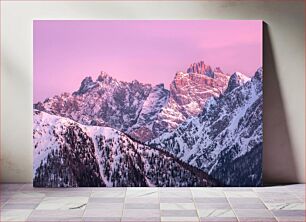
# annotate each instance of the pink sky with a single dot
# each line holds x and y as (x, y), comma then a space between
(151, 51)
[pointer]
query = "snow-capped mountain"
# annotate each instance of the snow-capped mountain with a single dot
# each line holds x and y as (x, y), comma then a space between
(226, 139)
(189, 92)
(237, 79)
(104, 102)
(69, 154)
(201, 68)
(141, 110)
(144, 128)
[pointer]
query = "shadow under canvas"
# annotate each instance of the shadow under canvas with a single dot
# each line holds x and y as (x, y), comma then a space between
(278, 160)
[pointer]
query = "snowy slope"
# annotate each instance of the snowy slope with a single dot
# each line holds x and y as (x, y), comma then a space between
(228, 131)
(63, 153)
(69, 154)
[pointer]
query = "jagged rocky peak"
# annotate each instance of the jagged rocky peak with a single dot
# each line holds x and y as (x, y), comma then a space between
(136, 84)
(258, 74)
(104, 77)
(201, 68)
(86, 80)
(200, 75)
(86, 84)
(188, 94)
(159, 86)
(180, 75)
(257, 79)
(182, 80)
(218, 69)
(143, 129)
(236, 79)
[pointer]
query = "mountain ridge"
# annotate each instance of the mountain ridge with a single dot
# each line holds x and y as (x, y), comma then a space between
(141, 110)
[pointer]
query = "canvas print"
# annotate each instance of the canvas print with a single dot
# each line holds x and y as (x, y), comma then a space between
(142, 103)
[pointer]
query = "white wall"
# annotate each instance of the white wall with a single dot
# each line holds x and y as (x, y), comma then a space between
(284, 71)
